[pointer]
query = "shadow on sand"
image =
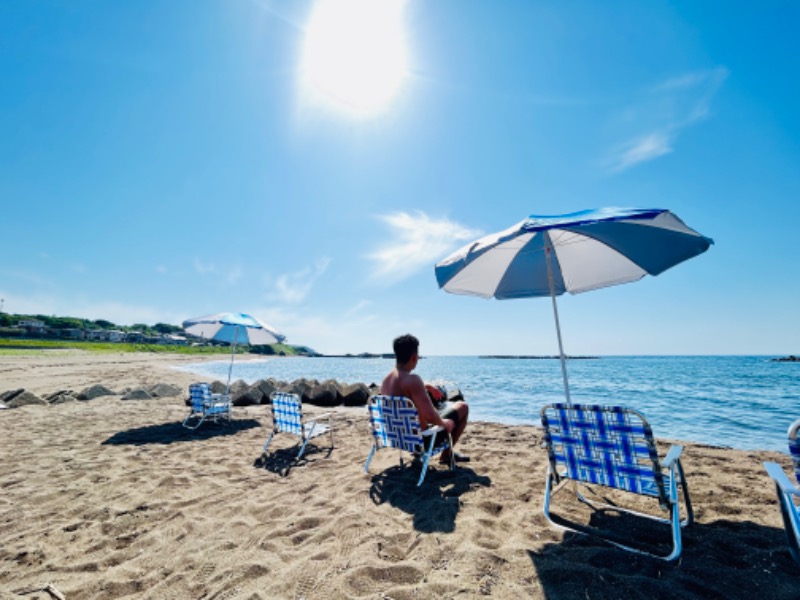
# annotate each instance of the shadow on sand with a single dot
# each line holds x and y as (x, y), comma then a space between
(172, 433)
(718, 561)
(435, 503)
(284, 460)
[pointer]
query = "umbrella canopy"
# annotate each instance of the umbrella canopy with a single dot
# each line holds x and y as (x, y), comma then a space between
(233, 328)
(578, 252)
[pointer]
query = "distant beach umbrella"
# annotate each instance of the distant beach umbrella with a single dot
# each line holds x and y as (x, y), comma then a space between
(578, 252)
(233, 328)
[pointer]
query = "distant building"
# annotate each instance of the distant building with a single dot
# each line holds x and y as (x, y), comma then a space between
(114, 335)
(72, 334)
(32, 326)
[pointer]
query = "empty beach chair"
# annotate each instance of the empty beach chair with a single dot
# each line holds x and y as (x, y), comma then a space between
(206, 406)
(395, 424)
(287, 417)
(788, 493)
(614, 447)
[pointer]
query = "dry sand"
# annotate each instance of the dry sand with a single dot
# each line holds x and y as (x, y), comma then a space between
(114, 499)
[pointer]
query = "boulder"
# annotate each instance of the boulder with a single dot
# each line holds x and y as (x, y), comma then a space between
(217, 387)
(6, 396)
(61, 398)
(325, 394)
(163, 390)
(300, 387)
(25, 398)
(246, 396)
(137, 394)
(267, 387)
(355, 395)
(95, 391)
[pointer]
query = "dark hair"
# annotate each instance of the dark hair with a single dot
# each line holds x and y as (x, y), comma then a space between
(405, 347)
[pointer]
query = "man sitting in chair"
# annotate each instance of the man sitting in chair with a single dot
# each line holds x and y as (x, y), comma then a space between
(401, 382)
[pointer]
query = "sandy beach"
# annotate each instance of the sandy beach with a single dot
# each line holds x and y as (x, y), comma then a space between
(112, 498)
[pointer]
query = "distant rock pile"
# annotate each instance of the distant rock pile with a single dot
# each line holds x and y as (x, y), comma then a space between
(790, 358)
(319, 393)
(326, 393)
(22, 397)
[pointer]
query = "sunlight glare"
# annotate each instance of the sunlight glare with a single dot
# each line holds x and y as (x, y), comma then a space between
(355, 54)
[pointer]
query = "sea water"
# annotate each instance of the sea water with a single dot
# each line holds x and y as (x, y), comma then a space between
(744, 402)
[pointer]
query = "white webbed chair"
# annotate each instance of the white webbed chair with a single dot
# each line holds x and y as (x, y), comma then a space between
(395, 424)
(613, 446)
(205, 406)
(789, 493)
(287, 417)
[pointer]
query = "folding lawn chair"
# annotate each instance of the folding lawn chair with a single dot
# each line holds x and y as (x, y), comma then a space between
(395, 424)
(206, 406)
(614, 447)
(788, 493)
(287, 417)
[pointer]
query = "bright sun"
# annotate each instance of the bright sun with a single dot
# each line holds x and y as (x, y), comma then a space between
(355, 54)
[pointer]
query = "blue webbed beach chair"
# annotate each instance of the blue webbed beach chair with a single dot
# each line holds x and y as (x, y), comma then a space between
(206, 406)
(287, 417)
(788, 493)
(613, 446)
(395, 424)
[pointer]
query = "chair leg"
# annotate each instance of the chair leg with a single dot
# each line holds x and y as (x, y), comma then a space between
(302, 448)
(269, 439)
(369, 458)
(791, 523)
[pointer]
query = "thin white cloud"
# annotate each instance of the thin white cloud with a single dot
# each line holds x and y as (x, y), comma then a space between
(293, 288)
(647, 148)
(359, 307)
(416, 242)
(664, 112)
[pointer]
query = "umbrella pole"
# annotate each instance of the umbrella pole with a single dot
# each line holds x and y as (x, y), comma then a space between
(230, 368)
(547, 249)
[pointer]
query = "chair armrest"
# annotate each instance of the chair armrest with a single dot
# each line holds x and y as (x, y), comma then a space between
(432, 430)
(673, 456)
(220, 398)
(775, 471)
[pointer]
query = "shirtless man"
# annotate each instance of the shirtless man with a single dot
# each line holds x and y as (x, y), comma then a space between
(401, 382)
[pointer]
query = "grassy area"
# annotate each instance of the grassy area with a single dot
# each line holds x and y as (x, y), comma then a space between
(15, 346)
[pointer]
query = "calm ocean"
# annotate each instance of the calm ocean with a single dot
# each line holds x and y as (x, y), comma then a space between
(744, 402)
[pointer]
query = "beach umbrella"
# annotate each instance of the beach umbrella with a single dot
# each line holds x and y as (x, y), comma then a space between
(233, 328)
(577, 252)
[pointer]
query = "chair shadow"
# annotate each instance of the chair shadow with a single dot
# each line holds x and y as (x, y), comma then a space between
(722, 559)
(283, 460)
(172, 433)
(434, 504)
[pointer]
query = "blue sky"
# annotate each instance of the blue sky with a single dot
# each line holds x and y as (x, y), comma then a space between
(310, 162)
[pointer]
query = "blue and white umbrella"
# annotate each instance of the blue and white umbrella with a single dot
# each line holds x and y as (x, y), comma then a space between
(233, 328)
(578, 252)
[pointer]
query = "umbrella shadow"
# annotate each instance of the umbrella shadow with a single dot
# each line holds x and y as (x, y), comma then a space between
(435, 504)
(720, 560)
(172, 433)
(284, 460)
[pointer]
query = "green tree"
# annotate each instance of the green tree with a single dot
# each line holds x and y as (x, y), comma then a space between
(167, 328)
(103, 324)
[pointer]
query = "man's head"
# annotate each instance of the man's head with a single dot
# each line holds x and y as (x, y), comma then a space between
(405, 347)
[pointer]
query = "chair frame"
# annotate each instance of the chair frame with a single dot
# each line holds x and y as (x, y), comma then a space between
(613, 446)
(205, 405)
(394, 423)
(287, 417)
(788, 493)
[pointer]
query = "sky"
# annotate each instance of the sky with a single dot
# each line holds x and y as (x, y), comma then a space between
(309, 162)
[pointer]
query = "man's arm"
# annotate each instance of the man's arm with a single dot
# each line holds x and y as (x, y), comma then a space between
(427, 413)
